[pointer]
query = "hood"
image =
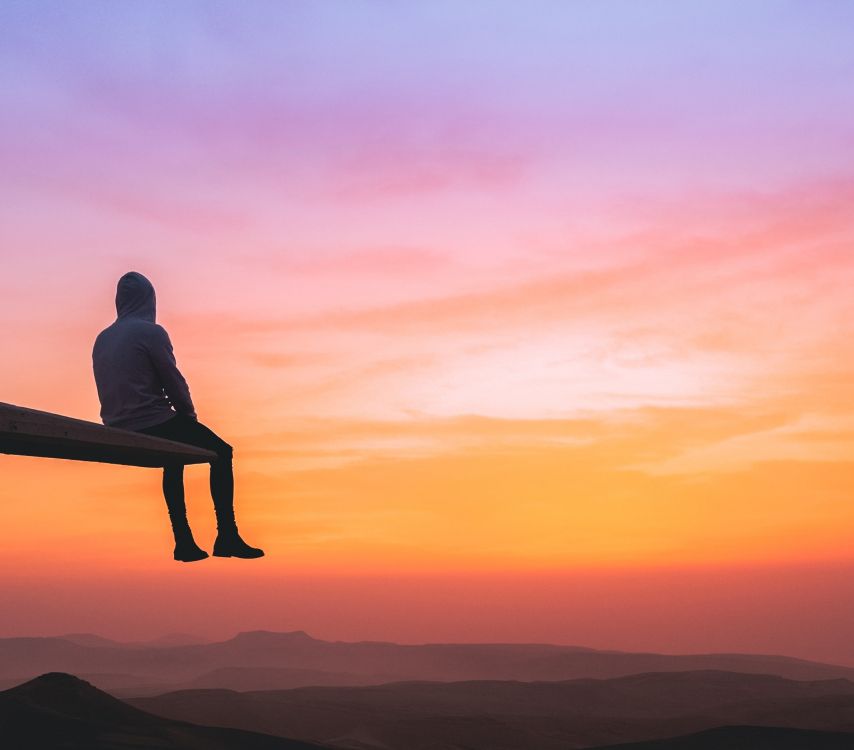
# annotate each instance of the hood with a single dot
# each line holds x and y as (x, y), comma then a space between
(135, 297)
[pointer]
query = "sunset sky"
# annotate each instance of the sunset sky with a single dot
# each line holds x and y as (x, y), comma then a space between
(527, 321)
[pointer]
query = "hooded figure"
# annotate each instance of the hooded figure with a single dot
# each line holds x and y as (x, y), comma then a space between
(141, 389)
(138, 381)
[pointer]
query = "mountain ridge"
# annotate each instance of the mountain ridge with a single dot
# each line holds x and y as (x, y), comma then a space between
(59, 710)
(264, 659)
(703, 710)
(519, 715)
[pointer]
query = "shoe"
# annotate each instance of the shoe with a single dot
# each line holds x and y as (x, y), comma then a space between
(189, 552)
(231, 545)
(186, 549)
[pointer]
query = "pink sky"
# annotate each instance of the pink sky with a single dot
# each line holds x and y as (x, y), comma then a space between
(548, 307)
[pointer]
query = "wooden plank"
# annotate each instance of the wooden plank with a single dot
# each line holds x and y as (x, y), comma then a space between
(29, 432)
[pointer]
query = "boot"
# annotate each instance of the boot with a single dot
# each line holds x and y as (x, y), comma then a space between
(189, 552)
(228, 542)
(186, 549)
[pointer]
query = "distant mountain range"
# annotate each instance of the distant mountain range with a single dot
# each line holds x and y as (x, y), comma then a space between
(263, 660)
(507, 715)
(276, 690)
(170, 639)
(62, 712)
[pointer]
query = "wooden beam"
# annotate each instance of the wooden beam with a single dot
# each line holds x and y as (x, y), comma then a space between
(28, 432)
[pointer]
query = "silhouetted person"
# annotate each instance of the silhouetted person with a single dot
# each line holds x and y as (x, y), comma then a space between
(141, 389)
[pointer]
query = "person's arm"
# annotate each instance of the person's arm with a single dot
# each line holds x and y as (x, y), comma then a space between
(176, 388)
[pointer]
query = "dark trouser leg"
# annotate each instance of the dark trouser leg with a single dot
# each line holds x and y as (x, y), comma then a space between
(222, 492)
(187, 430)
(186, 548)
(228, 542)
(173, 491)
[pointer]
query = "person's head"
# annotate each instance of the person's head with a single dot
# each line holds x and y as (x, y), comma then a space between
(135, 297)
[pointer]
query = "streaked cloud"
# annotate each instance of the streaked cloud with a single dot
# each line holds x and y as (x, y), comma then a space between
(567, 289)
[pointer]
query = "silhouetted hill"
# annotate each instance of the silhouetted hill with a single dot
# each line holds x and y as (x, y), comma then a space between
(747, 738)
(63, 712)
(367, 662)
(519, 715)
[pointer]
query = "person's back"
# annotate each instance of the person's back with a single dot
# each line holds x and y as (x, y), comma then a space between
(137, 379)
(141, 389)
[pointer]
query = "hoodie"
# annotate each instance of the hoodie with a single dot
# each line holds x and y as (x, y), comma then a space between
(139, 384)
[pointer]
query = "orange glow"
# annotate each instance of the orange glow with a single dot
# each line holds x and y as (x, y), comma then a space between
(582, 356)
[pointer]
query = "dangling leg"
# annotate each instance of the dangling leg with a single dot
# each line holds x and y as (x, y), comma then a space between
(186, 549)
(228, 542)
(188, 430)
